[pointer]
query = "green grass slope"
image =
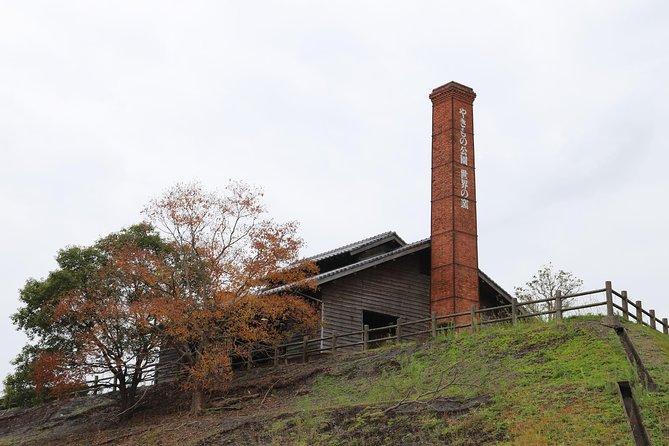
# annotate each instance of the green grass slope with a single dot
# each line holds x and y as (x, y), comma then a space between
(653, 347)
(544, 383)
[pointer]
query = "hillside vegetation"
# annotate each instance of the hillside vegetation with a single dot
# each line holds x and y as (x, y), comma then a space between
(534, 384)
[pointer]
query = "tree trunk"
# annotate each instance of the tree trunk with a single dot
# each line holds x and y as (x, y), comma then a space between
(197, 401)
(123, 393)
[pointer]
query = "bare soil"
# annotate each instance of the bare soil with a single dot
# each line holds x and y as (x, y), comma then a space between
(253, 400)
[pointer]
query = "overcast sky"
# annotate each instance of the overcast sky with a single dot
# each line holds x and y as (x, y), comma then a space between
(105, 104)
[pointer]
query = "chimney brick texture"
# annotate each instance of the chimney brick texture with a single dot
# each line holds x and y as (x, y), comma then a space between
(454, 270)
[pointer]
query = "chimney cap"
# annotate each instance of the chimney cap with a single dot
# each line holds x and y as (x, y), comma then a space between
(452, 89)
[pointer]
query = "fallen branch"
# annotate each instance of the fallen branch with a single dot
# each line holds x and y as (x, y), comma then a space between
(267, 393)
(117, 438)
(227, 403)
(420, 398)
(139, 400)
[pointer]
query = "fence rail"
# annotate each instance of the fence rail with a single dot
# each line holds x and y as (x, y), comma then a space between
(616, 304)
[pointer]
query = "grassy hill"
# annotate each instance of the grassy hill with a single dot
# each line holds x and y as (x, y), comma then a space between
(534, 384)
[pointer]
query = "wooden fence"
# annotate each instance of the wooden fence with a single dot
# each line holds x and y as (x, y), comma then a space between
(607, 301)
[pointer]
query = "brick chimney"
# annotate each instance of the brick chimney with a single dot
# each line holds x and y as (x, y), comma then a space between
(454, 276)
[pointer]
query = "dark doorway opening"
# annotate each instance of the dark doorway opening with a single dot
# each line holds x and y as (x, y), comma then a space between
(376, 321)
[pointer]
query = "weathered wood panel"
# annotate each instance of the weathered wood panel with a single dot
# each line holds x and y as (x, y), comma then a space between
(168, 365)
(396, 288)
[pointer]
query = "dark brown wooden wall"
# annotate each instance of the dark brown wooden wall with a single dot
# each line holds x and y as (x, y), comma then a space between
(396, 288)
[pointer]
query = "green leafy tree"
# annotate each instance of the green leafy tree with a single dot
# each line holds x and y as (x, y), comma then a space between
(36, 318)
(93, 315)
(19, 387)
(545, 284)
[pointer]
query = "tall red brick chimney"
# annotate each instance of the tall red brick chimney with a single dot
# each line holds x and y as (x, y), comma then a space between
(454, 276)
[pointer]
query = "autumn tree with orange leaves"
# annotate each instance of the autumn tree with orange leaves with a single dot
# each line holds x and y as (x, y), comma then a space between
(226, 253)
(94, 315)
(112, 317)
(200, 288)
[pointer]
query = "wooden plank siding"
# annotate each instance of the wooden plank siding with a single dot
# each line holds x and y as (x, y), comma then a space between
(168, 365)
(397, 288)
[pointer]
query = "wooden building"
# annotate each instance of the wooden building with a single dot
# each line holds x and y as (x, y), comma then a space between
(377, 280)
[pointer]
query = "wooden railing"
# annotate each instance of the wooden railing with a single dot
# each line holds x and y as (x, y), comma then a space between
(613, 302)
(607, 301)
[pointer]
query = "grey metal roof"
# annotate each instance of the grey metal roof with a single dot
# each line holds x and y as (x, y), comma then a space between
(363, 264)
(372, 261)
(399, 252)
(355, 246)
(495, 286)
(376, 260)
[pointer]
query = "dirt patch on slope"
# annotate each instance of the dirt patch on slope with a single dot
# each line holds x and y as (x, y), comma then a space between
(253, 396)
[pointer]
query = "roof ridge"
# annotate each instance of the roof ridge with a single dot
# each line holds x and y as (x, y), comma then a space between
(371, 259)
(317, 277)
(354, 245)
(494, 284)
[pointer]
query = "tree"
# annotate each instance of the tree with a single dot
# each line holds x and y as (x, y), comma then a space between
(110, 307)
(545, 285)
(19, 387)
(94, 314)
(36, 319)
(225, 253)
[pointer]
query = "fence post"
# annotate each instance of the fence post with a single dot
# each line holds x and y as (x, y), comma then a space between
(365, 337)
(609, 299)
(652, 320)
(95, 385)
(433, 324)
(665, 326)
(115, 386)
(626, 309)
(639, 313)
(558, 305)
(334, 341)
(514, 311)
(305, 355)
(398, 330)
(473, 318)
(276, 356)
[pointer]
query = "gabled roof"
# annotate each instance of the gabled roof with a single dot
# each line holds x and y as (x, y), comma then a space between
(392, 255)
(483, 276)
(360, 245)
(368, 243)
(372, 261)
(334, 274)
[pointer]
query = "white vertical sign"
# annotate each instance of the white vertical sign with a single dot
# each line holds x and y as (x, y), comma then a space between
(464, 160)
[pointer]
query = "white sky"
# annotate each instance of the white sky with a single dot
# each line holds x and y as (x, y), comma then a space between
(105, 104)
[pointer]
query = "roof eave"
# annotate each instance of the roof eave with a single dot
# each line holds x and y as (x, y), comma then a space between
(373, 261)
(483, 276)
